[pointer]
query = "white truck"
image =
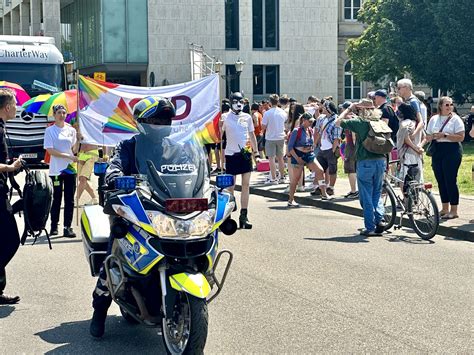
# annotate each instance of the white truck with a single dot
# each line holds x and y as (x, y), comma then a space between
(36, 64)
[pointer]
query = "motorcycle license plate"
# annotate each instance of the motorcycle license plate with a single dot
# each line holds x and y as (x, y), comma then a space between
(186, 205)
(30, 155)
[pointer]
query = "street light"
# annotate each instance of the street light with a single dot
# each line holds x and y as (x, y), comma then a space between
(239, 66)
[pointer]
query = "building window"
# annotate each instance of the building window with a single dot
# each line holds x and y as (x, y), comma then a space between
(266, 79)
(352, 86)
(232, 80)
(231, 24)
(265, 14)
(351, 9)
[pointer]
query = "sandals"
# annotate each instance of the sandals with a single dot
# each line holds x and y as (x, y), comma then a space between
(449, 216)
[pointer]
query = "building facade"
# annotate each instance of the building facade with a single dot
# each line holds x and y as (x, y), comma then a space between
(295, 47)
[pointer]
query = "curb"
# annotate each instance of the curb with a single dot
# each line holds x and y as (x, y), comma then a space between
(448, 232)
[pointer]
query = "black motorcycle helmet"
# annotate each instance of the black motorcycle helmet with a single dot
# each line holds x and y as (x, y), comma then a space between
(155, 110)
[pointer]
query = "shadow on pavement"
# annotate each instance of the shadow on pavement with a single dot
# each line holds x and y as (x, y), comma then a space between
(120, 338)
(357, 238)
(6, 310)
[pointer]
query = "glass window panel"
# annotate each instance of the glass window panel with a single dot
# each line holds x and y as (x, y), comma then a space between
(258, 79)
(257, 23)
(347, 94)
(231, 24)
(137, 31)
(347, 3)
(115, 37)
(356, 82)
(271, 23)
(356, 3)
(348, 14)
(271, 79)
(347, 80)
(348, 67)
(356, 94)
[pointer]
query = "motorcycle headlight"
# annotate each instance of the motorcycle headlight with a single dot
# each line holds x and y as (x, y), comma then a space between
(169, 227)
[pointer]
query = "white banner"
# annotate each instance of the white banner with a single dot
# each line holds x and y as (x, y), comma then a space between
(106, 115)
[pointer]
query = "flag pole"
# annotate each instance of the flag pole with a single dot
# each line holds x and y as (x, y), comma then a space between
(79, 130)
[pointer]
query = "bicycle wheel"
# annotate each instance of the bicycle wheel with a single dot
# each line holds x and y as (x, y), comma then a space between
(389, 204)
(423, 212)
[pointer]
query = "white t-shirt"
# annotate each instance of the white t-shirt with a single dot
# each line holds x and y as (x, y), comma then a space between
(455, 125)
(62, 140)
(237, 129)
(424, 113)
(274, 121)
(326, 143)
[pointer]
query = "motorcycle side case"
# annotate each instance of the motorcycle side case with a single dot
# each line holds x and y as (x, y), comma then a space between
(95, 230)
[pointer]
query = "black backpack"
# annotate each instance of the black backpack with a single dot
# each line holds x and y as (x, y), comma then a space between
(37, 201)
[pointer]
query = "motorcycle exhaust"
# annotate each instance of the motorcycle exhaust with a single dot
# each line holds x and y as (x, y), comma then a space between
(228, 227)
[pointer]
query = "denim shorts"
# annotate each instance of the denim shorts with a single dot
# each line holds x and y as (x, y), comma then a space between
(307, 157)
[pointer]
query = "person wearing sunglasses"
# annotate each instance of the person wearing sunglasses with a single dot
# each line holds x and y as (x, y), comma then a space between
(60, 141)
(446, 129)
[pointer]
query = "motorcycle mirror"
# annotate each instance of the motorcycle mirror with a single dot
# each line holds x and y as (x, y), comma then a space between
(228, 227)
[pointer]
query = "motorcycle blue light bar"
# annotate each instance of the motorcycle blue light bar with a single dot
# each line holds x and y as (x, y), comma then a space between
(125, 183)
(186, 205)
(224, 180)
(100, 168)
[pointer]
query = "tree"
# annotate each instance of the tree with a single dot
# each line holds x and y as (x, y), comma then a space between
(433, 40)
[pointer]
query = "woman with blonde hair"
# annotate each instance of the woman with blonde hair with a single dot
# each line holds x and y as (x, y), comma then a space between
(446, 132)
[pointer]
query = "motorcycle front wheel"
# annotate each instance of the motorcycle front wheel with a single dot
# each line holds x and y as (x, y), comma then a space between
(185, 331)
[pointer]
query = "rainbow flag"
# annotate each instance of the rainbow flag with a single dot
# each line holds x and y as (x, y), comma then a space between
(106, 109)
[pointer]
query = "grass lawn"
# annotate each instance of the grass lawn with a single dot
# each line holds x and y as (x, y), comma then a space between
(466, 185)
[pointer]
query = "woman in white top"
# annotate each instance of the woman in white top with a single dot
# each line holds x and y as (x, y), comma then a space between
(239, 129)
(60, 141)
(447, 131)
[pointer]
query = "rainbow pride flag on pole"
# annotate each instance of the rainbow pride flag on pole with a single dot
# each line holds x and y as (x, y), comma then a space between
(106, 109)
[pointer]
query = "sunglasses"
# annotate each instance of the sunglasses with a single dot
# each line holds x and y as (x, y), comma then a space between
(447, 105)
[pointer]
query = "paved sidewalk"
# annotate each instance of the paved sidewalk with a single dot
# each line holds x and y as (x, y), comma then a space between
(459, 228)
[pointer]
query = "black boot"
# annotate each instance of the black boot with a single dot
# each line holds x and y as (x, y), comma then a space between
(243, 220)
(97, 326)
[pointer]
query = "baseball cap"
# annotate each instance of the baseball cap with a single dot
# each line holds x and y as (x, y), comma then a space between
(307, 116)
(345, 105)
(381, 93)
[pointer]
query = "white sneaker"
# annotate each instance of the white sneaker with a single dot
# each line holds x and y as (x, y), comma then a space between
(300, 189)
(271, 182)
(281, 180)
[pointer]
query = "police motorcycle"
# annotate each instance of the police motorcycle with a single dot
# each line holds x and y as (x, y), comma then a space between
(161, 270)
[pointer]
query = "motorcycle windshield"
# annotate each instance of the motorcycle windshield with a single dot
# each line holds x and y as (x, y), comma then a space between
(173, 160)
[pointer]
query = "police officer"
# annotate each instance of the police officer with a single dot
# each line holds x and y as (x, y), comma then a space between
(9, 237)
(152, 110)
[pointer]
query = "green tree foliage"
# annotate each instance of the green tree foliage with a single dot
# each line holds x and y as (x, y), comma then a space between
(433, 40)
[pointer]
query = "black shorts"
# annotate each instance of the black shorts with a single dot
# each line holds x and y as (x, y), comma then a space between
(261, 143)
(210, 147)
(328, 161)
(238, 164)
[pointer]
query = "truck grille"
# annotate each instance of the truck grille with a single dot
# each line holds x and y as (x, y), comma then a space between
(27, 129)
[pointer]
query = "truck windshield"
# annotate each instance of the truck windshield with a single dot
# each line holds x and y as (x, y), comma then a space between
(25, 74)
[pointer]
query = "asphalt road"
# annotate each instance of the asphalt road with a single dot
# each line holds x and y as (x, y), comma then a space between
(302, 282)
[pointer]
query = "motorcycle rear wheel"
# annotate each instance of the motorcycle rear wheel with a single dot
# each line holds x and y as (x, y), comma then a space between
(185, 331)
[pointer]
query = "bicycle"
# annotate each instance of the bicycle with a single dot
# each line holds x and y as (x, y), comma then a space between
(417, 202)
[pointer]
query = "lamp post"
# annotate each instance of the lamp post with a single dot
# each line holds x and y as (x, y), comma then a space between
(239, 66)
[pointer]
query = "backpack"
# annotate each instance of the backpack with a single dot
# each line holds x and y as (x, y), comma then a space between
(300, 132)
(379, 139)
(37, 201)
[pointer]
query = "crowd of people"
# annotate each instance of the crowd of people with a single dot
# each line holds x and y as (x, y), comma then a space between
(317, 133)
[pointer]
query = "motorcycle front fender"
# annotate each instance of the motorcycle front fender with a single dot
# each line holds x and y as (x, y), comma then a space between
(194, 284)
